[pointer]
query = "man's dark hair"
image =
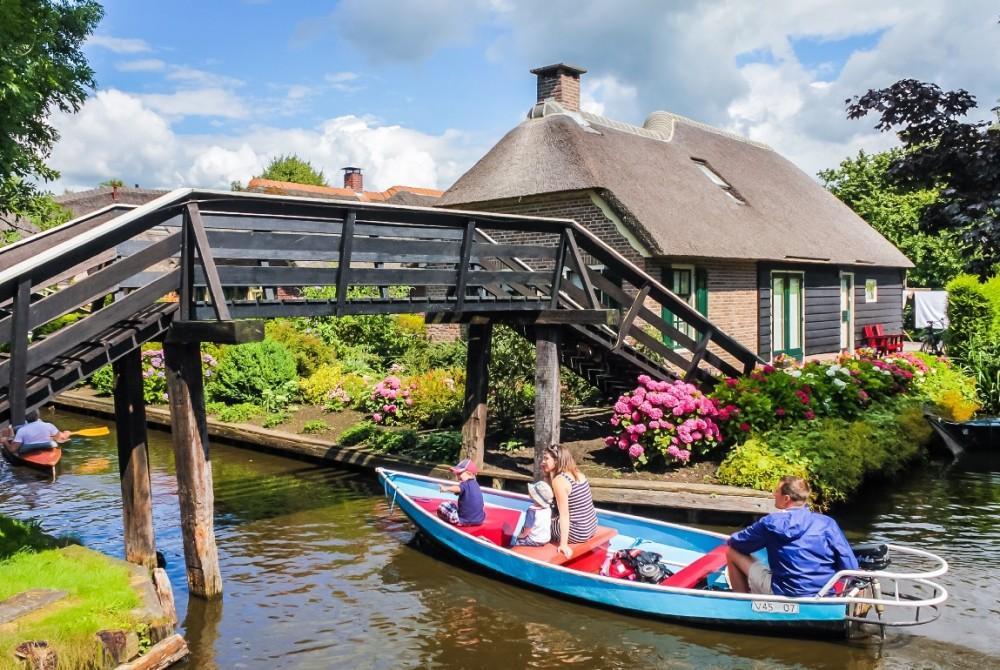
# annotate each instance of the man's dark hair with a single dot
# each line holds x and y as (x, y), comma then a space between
(795, 488)
(31, 416)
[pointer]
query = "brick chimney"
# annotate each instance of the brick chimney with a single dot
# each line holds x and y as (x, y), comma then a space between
(561, 82)
(353, 179)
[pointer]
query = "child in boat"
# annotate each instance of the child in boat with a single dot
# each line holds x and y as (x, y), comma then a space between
(537, 528)
(469, 509)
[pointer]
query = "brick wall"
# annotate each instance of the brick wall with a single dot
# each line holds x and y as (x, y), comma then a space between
(732, 299)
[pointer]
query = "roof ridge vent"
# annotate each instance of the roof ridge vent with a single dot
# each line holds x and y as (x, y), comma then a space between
(661, 122)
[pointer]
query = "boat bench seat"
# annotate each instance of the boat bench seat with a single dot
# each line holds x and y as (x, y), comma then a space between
(699, 569)
(549, 553)
(498, 527)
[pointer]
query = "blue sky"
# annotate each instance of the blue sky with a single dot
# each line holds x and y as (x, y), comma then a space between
(414, 92)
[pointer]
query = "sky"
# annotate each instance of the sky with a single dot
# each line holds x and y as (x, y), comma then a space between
(415, 92)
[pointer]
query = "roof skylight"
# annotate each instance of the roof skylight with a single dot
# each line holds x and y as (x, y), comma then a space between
(714, 177)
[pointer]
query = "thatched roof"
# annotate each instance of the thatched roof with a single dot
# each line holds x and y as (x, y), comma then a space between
(394, 195)
(651, 176)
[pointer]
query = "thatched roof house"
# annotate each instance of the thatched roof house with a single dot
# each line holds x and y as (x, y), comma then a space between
(727, 221)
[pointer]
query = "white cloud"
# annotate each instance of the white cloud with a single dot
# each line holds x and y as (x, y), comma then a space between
(116, 134)
(198, 102)
(142, 65)
(682, 56)
(189, 76)
(345, 82)
(607, 96)
(119, 45)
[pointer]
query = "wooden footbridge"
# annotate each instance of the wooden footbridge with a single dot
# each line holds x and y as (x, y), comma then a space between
(195, 266)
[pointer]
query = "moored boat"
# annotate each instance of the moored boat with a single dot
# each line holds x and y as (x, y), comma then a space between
(44, 459)
(981, 434)
(694, 589)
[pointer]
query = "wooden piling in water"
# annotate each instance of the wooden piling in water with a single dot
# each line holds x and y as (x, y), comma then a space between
(133, 460)
(477, 378)
(194, 469)
(547, 405)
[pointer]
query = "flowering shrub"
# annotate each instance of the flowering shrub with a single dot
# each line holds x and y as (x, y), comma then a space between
(436, 398)
(334, 388)
(770, 397)
(388, 402)
(154, 376)
(671, 419)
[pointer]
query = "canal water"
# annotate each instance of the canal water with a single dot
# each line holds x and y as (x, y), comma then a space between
(317, 574)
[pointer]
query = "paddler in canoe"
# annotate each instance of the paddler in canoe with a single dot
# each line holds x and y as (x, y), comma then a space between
(33, 435)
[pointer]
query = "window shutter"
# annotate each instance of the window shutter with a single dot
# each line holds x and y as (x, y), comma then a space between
(668, 280)
(701, 291)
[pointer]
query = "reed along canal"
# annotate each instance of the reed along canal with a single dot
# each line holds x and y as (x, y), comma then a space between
(318, 575)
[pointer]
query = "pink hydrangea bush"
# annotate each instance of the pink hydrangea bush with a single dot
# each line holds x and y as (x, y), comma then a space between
(388, 401)
(670, 419)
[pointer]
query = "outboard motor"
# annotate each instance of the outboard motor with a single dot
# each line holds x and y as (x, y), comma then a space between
(872, 556)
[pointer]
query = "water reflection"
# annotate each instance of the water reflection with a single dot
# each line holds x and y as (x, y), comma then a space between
(317, 574)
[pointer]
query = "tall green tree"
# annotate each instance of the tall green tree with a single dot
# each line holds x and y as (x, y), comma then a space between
(863, 183)
(294, 169)
(944, 150)
(42, 70)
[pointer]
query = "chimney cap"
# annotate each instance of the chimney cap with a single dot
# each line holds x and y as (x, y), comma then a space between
(351, 169)
(559, 68)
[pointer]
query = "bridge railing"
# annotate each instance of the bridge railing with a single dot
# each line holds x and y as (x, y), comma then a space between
(228, 255)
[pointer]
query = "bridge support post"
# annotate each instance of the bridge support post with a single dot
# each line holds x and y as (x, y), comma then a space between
(547, 406)
(477, 382)
(133, 460)
(194, 469)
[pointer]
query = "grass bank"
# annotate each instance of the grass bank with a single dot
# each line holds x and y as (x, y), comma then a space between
(100, 596)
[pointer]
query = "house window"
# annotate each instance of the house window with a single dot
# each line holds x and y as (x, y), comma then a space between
(714, 177)
(606, 301)
(871, 290)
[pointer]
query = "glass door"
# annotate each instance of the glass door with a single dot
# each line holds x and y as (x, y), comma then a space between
(787, 322)
(847, 311)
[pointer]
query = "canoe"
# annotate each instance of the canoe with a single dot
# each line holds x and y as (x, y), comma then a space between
(44, 460)
(696, 593)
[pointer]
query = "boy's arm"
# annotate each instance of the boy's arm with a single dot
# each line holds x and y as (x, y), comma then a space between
(449, 489)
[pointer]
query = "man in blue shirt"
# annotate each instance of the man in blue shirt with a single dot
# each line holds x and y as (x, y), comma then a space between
(804, 549)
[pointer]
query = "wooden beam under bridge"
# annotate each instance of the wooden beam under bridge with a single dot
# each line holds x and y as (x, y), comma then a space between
(540, 317)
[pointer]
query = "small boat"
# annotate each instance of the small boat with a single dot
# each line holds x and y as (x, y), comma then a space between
(44, 459)
(697, 592)
(982, 434)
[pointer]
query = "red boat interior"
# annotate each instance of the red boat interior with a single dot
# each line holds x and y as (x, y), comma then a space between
(589, 556)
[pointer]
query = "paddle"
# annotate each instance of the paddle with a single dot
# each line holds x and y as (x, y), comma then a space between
(100, 431)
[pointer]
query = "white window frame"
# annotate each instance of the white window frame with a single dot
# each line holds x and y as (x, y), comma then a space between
(802, 290)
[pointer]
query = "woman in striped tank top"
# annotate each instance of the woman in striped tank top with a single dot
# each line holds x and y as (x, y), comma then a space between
(577, 520)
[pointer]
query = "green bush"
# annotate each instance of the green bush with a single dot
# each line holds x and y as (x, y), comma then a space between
(512, 378)
(315, 426)
(438, 447)
(437, 398)
(388, 441)
(835, 455)
(982, 362)
(971, 315)
(334, 388)
(755, 465)
(275, 419)
(103, 381)
(238, 413)
(255, 372)
(424, 355)
(358, 433)
(310, 351)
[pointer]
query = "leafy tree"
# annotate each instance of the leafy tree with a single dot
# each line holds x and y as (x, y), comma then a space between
(864, 185)
(42, 70)
(112, 183)
(942, 151)
(294, 169)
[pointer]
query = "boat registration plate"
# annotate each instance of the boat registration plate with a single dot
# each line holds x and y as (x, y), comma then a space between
(771, 607)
